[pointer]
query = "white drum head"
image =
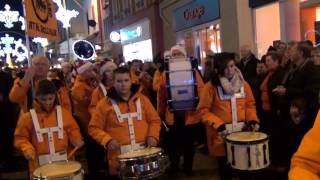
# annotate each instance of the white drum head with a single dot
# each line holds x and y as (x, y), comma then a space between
(140, 153)
(57, 169)
(246, 136)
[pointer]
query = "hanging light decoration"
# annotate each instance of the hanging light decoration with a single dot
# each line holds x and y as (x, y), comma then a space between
(64, 15)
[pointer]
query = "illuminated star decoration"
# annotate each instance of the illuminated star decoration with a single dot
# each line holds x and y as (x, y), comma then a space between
(9, 17)
(42, 41)
(64, 15)
(19, 51)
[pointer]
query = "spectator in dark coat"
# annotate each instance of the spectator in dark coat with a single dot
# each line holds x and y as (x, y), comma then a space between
(248, 64)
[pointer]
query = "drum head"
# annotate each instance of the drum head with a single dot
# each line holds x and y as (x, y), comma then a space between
(246, 136)
(57, 169)
(140, 153)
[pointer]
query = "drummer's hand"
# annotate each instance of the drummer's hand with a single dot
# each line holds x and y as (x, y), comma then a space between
(253, 125)
(112, 145)
(29, 154)
(152, 142)
(222, 131)
(78, 143)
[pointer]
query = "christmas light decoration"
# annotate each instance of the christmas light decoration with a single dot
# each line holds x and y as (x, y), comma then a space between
(64, 15)
(9, 17)
(19, 51)
(42, 41)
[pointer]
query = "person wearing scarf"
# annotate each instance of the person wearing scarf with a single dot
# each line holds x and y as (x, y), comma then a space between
(215, 107)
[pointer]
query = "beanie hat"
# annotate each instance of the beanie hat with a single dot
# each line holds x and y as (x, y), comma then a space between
(83, 66)
(107, 65)
(178, 48)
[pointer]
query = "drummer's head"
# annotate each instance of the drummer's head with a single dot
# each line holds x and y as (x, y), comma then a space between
(122, 81)
(41, 66)
(46, 95)
(224, 64)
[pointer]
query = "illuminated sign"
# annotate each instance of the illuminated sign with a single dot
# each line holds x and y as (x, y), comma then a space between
(115, 36)
(130, 34)
(194, 13)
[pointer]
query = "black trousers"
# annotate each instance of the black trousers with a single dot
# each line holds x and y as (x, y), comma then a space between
(95, 156)
(181, 139)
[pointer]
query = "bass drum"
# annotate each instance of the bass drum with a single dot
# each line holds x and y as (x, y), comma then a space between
(181, 84)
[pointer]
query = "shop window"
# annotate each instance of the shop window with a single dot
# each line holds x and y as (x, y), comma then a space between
(209, 40)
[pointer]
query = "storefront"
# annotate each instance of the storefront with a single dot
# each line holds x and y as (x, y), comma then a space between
(310, 20)
(197, 26)
(136, 41)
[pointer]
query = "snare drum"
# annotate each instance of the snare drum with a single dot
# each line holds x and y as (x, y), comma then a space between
(248, 150)
(143, 164)
(181, 84)
(70, 170)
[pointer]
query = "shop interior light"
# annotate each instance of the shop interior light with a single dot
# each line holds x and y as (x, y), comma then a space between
(65, 15)
(115, 36)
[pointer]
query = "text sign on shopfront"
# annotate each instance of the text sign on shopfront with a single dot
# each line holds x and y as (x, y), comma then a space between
(196, 13)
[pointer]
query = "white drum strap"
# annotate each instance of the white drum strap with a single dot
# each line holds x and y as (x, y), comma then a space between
(103, 89)
(36, 125)
(48, 131)
(234, 112)
(129, 117)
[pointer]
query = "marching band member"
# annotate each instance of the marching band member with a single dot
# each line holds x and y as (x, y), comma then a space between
(135, 70)
(125, 120)
(21, 92)
(182, 124)
(44, 133)
(225, 104)
(81, 97)
(106, 72)
(305, 163)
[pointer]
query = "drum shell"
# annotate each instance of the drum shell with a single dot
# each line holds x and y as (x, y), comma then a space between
(248, 156)
(143, 167)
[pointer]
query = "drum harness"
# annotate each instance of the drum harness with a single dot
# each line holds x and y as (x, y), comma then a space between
(52, 156)
(236, 126)
(129, 117)
(103, 89)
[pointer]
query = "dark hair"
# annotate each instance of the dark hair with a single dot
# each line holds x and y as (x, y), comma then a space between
(220, 62)
(263, 59)
(275, 56)
(121, 70)
(45, 87)
(305, 49)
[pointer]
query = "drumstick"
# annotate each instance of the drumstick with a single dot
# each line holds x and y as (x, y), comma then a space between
(72, 152)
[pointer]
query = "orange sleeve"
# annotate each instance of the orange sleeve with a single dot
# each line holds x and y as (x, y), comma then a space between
(205, 105)
(19, 91)
(78, 94)
(64, 99)
(23, 133)
(251, 112)
(98, 122)
(306, 161)
(162, 99)
(152, 118)
(72, 127)
(156, 80)
(95, 98)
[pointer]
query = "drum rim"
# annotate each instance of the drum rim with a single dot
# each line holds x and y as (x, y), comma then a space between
(71, 173)
(145, 156)
(248, 142)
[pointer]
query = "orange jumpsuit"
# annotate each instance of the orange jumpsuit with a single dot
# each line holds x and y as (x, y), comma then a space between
(25, 137)
(81, 96)
(191, 117)
(216, 112)
(157, 80)
(19, 95)
(105, 126)
(305, 163)
(97, 95)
